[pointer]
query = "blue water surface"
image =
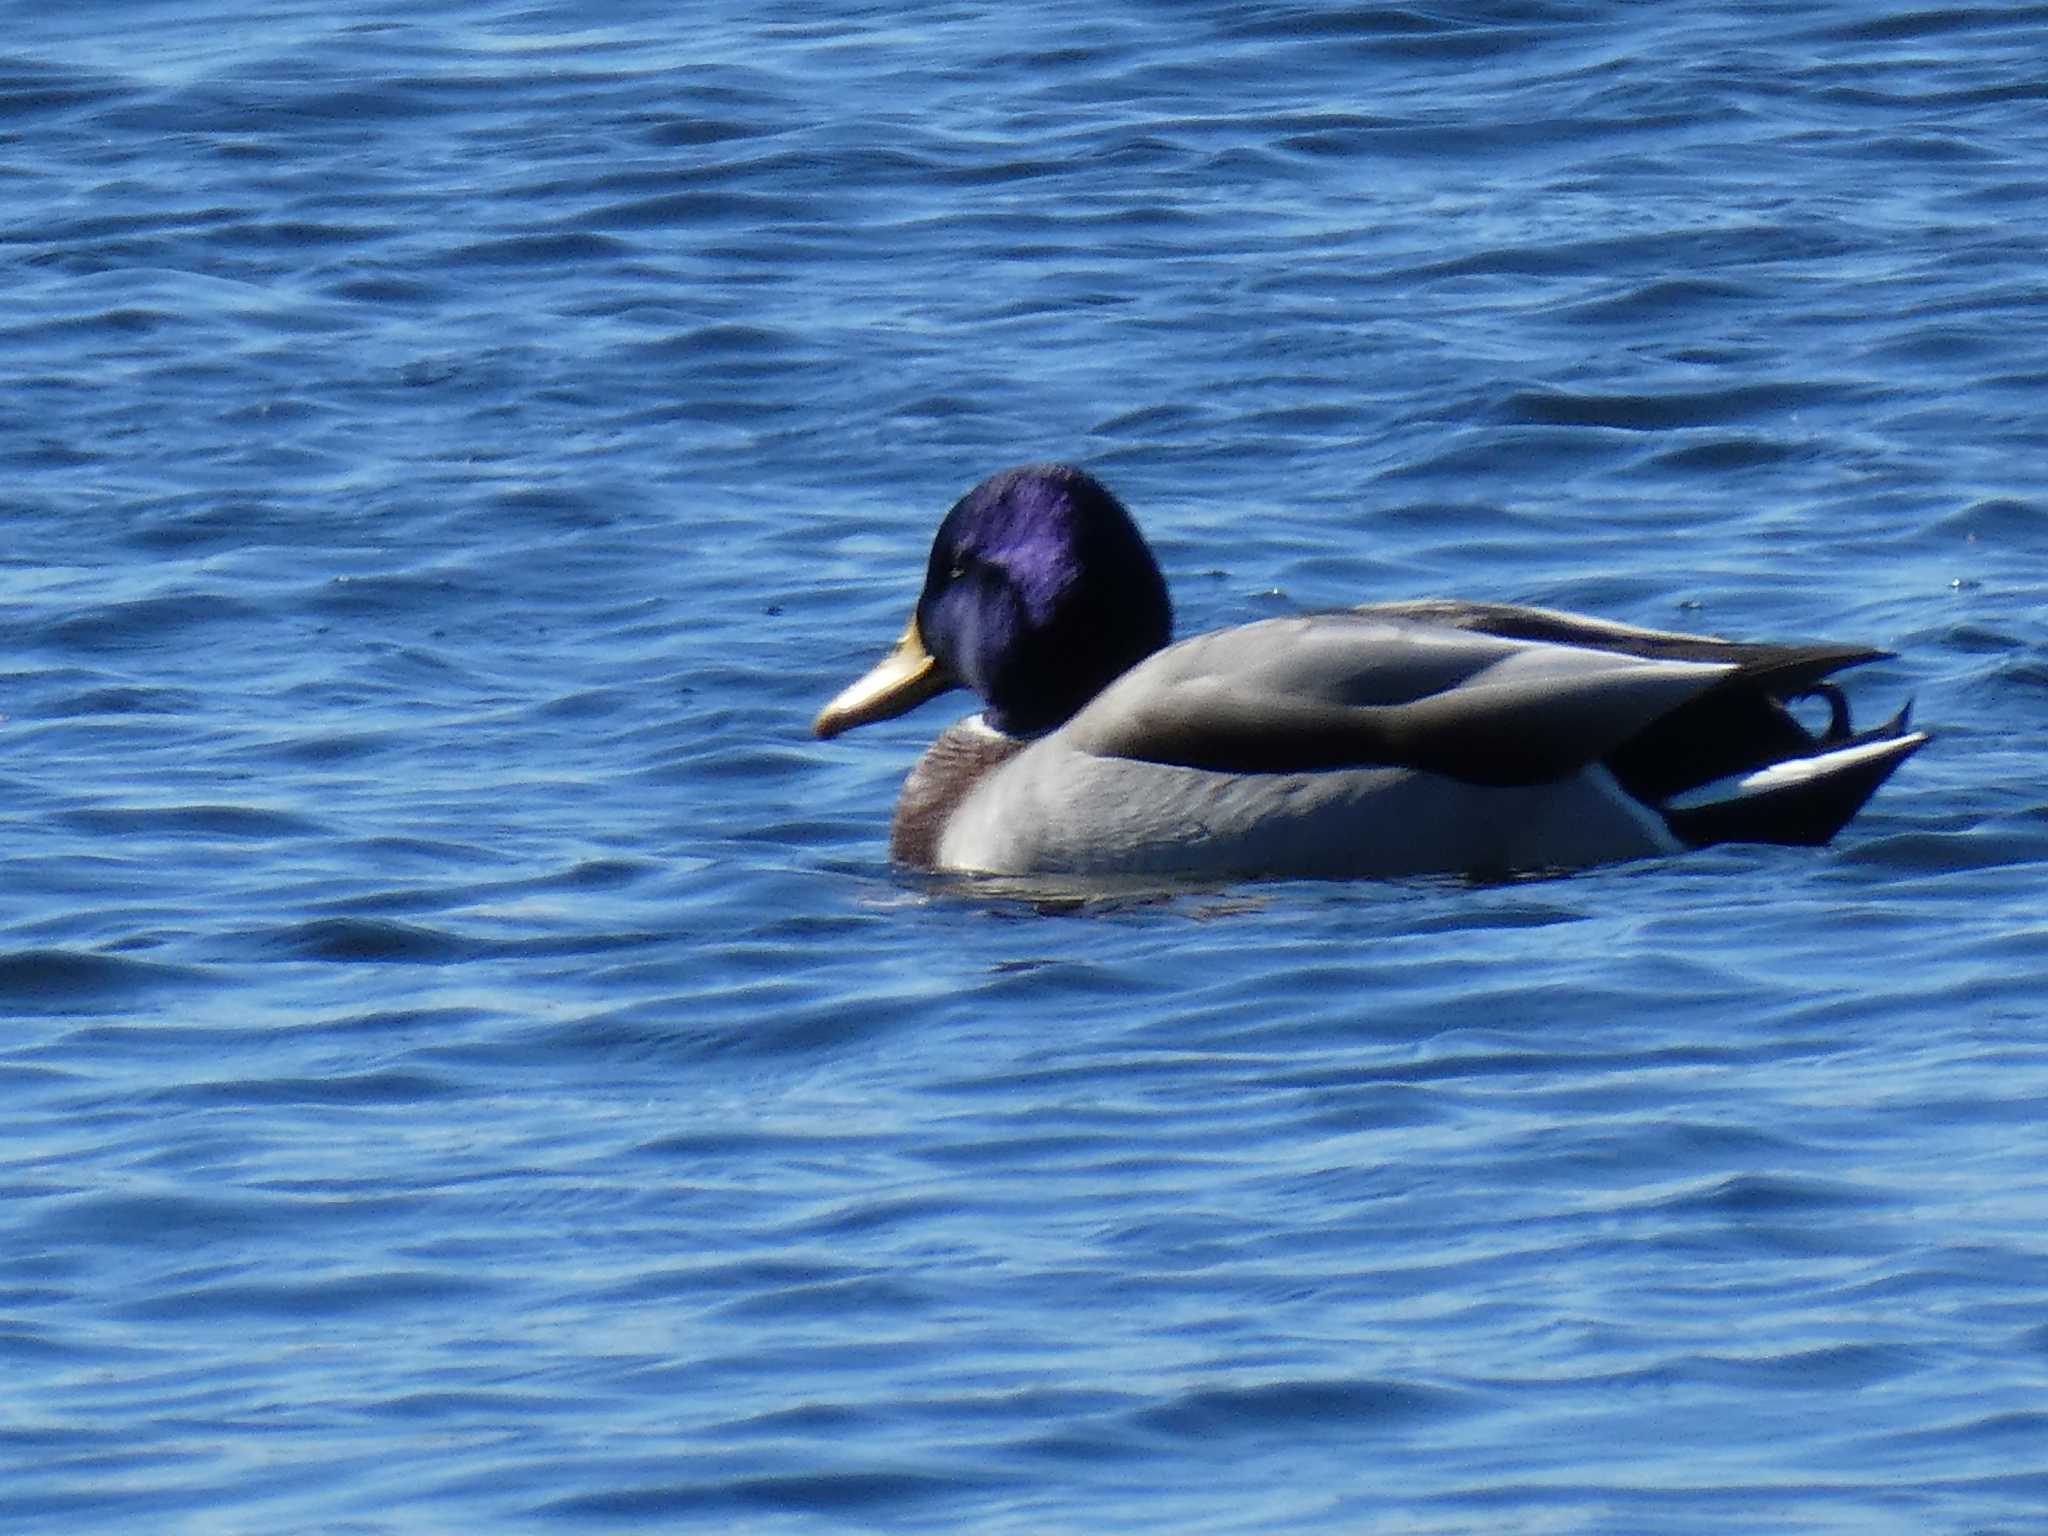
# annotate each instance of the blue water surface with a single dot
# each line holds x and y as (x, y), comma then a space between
(468, 1063)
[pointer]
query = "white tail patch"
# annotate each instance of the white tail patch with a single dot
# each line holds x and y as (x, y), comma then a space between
(1797, 770)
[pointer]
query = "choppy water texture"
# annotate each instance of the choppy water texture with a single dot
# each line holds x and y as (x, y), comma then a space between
(468, 1064)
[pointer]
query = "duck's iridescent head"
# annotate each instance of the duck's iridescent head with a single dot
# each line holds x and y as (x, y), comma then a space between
(1040, 591)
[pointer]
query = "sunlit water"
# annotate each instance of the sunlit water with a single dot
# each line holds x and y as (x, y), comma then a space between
(469, 1064)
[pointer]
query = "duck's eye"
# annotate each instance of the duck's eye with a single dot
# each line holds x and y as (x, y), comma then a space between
(958, 569)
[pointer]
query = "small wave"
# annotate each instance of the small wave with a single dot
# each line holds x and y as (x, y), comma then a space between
(383, 1087)
(147, 621)
(672, 210)
(1218, 1412)
(115, 699)
(27, 91)
(1915, 25)
(1663, 412)
(695, 132)
(372, 939)
(561, 249)
(212, 821)
(1660, 301)
(345, 1296)
(61, 979)
(158, 1220)
(869, 1296)
(1831, 1368)
(2000, 517)
(867, 1495)
(303, 235)
(1728, 454)
(1759, 1195)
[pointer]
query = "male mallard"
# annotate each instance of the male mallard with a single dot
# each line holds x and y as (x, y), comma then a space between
(1392, 739)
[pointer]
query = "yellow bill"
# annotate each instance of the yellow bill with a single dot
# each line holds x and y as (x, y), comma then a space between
(900, 681)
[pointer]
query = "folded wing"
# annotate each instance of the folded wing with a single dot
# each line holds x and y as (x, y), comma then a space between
(1362, 689)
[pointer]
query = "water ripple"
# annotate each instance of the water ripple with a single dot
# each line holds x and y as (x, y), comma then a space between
(471, 1063)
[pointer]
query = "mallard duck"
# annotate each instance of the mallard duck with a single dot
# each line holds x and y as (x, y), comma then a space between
(1391, 739)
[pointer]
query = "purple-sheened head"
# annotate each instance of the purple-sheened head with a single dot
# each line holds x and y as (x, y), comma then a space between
(1039, 593)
